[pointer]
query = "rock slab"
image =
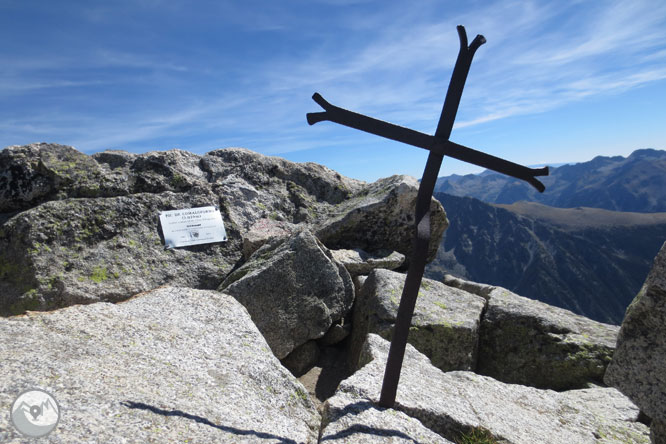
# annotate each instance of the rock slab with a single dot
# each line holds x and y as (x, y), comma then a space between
(170, 365)
(445, 324)
(458, 403)
(293, 289)
(347, 419)
(527, 342)
(639, 363)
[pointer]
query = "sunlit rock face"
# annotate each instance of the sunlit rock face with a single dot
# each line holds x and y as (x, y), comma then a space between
(637, 369)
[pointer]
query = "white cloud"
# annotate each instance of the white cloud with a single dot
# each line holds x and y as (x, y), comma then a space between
(391, 61)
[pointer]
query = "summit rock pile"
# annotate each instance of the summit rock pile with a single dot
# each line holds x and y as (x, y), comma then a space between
(139, 343)
(81, 229)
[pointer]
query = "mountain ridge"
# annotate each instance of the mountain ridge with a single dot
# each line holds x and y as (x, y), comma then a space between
(634, 183)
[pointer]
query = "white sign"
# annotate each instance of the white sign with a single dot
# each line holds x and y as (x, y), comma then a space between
(192, 226)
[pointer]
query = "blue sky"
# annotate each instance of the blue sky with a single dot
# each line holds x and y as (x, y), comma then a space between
(557, 81)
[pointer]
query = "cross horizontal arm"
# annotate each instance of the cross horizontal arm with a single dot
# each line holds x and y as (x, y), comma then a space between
(491, 162)
(398, 133)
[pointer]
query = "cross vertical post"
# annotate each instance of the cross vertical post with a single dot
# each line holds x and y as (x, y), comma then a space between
(422, 235)
(438, 146)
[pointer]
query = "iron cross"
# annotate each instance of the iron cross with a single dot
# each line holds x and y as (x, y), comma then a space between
(439, 146)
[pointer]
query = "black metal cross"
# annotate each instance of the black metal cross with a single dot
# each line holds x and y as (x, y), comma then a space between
(439, 145)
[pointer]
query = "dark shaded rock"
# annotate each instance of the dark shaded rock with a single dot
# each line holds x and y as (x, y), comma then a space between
(381, 216)
(445, 325)
(302, 358)
(322, 380)
(336, 334)
(293, 290)
(528, 342)
(170, 365)
(639, 363)
(658, 432)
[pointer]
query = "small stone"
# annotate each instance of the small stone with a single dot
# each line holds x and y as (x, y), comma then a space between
(358, 262)
(476, 288)
(359, 281)
(336, 334)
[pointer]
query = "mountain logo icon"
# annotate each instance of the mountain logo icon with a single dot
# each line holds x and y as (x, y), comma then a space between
(35, 413)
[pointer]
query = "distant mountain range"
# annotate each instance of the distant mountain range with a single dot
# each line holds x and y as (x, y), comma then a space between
(590, 261)
(635, 183)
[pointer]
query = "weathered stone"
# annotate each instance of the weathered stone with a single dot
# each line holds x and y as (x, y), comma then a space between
(359, 262)
(336, 334)
(35, 173)
(524, 341)
(381, 216)
(293, 290)
(246, 186)
(476, 288)
(302, 358)
(445, 325)
(262, 231)
(638, 368)
(87, 227)
(254, 186)
(354, 420)
(170, 365)
(85, 250)
(456, 403)
(153, 172)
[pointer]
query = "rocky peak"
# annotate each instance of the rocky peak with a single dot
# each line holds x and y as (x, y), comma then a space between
(203, 343)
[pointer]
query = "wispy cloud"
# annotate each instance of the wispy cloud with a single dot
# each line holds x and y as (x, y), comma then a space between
(540, 56)
(386, 59)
